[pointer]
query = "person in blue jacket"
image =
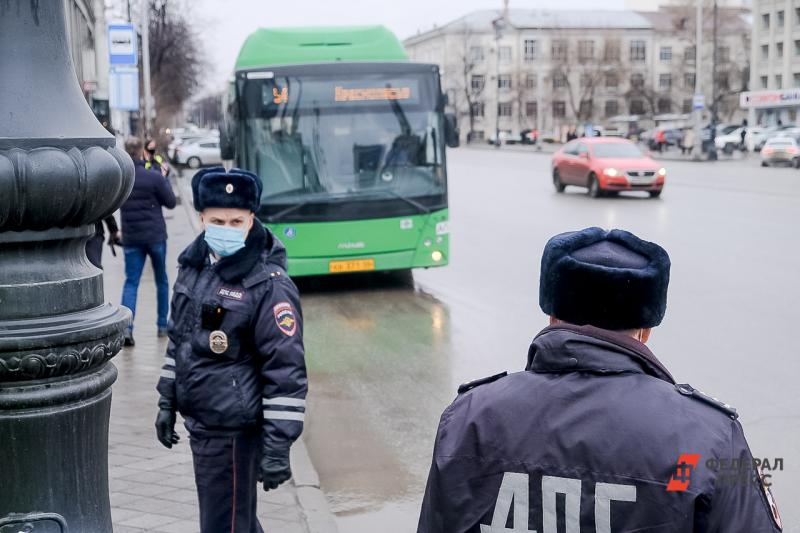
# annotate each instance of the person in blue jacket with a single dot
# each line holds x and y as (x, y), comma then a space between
(595, 435)
(235, 365)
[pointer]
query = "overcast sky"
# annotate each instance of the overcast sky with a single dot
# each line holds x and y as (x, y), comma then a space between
(226, 24)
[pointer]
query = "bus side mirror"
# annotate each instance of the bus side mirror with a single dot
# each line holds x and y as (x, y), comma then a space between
(451, 132)
(227, 143)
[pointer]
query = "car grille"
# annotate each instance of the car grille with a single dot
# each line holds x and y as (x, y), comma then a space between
(641, 173)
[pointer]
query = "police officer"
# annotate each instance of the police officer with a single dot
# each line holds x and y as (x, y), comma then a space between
(153, 160)
(234, 366)
(594, 435)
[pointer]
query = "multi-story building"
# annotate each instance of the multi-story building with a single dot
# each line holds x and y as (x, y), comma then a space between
(775, 75)
(551, 70)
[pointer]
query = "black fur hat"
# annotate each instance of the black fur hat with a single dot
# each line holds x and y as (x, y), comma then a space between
(608, 279)
(215, 187)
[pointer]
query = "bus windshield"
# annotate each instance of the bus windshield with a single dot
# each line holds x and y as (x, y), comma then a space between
(316, 139)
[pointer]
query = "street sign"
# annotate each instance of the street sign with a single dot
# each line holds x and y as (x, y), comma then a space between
(698, 102)
(122, 44)
(124, 88)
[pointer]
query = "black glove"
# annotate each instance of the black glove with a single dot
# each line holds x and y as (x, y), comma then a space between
(165, 427)
(274, 468)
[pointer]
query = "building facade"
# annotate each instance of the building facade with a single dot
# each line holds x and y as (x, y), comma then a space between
(775, 76)
(553, 70)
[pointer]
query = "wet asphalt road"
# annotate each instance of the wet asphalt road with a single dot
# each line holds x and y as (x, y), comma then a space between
(386, 353)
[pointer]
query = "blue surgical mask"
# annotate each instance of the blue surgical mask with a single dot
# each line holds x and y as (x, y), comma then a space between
(224, 241)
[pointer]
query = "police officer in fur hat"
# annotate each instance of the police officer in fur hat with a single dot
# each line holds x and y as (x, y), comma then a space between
(235, 366)
(595, 434)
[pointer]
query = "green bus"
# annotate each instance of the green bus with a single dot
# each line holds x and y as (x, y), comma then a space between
(349, 138)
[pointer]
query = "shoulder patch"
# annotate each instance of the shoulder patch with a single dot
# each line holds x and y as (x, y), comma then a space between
(285, 318)
(688, 390)
(468, 386)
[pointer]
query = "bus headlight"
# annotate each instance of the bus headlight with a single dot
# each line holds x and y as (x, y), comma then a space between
(427, 243)
(662, 172)
(611, 172)
(436, 256)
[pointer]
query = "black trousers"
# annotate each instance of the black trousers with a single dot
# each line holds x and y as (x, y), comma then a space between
(225, 473)
(94, 249)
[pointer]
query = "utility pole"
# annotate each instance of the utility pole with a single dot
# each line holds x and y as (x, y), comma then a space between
(696, 107)
(148, 96)
(499, 25)
(712, 149)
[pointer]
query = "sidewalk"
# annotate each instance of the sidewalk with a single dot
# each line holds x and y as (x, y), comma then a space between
(152, 488)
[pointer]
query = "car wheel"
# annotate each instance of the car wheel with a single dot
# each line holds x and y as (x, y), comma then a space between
(729, 148)
(764, 164)
(557, 183)
(654, 194)
(594, 186)
(194, 162)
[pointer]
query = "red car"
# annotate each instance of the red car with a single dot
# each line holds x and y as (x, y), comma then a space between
(606, 165)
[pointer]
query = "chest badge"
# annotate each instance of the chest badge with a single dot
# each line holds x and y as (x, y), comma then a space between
(218, 342)
(285, 319)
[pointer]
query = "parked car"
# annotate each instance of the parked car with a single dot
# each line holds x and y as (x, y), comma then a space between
(730, 142)
(672, 136)
(199, 152)
(779, 150)
(506, 137)
(606, 164)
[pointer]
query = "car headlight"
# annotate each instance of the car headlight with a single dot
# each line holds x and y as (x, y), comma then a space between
(611, 172)
(662, 172)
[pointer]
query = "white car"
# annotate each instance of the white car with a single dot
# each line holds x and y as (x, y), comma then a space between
(780, 150)
(199, 152)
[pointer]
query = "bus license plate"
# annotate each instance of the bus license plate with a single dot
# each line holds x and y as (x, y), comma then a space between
(354, 265)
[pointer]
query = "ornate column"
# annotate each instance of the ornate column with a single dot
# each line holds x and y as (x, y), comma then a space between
(59, 174)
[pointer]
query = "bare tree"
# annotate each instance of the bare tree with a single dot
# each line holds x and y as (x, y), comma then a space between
(176, 60)
(469, 58)
(207, 112)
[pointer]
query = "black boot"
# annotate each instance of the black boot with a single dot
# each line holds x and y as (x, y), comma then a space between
(129, 339)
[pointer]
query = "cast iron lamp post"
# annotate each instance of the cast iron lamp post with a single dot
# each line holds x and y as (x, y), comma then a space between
(59, 174)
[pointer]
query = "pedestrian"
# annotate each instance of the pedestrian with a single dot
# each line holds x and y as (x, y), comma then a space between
(235, 364)
(144, 234)
(688, 140)
(153, 160)
(661, 140)
(595, 433)
(743, 134)
(94, 246)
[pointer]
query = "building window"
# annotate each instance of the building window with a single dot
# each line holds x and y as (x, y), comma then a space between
(796, 79)
(559, 80)
(797, 48)
(477, 82)
(779, 49)
(531, 81)
(764, 51)
(664, 105)
(765, 21)
(585, 50)
(689, 54)
(724, 54)
(637, 107)
(559, 109)
(638, 50)
(637, 80)
(476, 135)
(612, 80)
(478, 109)
(686, 106)
(531, 49)
(778, 81)
(612, 108)
(505, 109)
(797, 15)
(764, 82)
(665, 81)
(558, 49)
(586, 109)
(476, 53)
(587, 80)
(505, 54)
(665, 54)
(611, 51)
(780, 19)
(531, 109)
(688, 80)
(504, 81)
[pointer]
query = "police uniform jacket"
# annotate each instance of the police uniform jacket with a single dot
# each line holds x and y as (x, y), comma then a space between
(588, 439)
(253, 373)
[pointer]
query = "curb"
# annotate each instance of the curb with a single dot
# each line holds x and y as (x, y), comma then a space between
(313, 505)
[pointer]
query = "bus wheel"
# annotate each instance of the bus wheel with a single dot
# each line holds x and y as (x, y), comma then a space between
(557, 183)
(594, 186)
(193, 162)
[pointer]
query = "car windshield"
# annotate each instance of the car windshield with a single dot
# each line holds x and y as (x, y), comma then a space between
(781, 142)
(324, 140)
(616, 151)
